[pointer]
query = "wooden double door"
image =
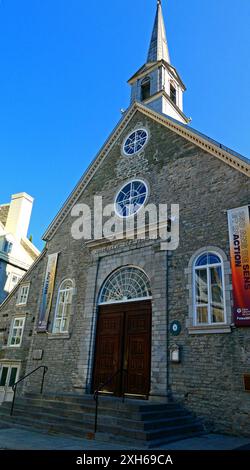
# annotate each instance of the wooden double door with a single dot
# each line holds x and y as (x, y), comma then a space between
(123, 342)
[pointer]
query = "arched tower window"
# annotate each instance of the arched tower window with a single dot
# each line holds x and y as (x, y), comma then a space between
(173, 93)
(209, 289)
(63, 307)
(125, 284)
(145, 89)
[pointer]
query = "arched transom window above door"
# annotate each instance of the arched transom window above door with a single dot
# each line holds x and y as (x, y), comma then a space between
(124, 285)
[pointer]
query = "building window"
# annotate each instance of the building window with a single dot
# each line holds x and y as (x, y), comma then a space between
(131, 198)
(209, 291)
(125, 284)
(7, 248)
(145, 89)
(135, 142)
(4, 374)
(23, 295)
(16, 332)
(14, 279)
(173, 93)
(8, 375)
(63, 307)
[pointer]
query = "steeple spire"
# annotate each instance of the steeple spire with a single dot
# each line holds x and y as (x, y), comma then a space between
(157, 83)
(158, 49)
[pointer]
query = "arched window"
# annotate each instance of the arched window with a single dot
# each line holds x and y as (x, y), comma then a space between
(209, 290)
(126, 284)
(63, 307)
(173, 93)
(145, 89)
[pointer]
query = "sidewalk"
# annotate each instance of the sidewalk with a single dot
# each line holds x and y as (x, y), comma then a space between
(23, 439)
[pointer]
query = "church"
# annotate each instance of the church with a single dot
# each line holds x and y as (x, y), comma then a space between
(135, 317)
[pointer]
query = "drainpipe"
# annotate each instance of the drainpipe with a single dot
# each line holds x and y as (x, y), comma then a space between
(92, 329)
(169, 392)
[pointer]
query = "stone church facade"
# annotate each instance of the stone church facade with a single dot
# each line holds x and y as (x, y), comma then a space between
(114, 302)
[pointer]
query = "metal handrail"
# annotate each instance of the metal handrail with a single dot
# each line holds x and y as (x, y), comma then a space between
(14, 387)
(101, 387)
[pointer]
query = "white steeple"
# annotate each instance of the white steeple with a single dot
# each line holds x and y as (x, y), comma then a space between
(158, 49)
(157, 84)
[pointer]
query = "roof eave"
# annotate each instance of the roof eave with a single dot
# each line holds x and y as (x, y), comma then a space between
(23, 279)
(236, 161)
(145, 68)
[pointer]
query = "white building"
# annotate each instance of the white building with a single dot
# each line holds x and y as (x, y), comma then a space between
(17, 253)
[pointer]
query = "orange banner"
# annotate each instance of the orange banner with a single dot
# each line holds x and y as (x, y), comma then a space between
(239, 235)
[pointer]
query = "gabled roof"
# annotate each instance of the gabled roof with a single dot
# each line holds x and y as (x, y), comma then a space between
(148, 67)
(145, 68)
(30, 248)
(216, 149)
(23, 279)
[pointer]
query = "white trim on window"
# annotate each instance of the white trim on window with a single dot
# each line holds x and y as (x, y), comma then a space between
(23, 294)
(193, 326)
(16, 332)
(136, 146)
(8, 380)
(112, 302)
(125, 284)
(63, 308)
(175, 86)
(14, 279)
(131, 209)
(208, 267)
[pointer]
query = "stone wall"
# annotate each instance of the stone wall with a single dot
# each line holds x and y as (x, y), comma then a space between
(9, 310)
(209, 376)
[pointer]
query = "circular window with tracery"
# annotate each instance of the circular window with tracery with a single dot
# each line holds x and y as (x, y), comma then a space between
(135, 142)
(126, 284)
(131, 198)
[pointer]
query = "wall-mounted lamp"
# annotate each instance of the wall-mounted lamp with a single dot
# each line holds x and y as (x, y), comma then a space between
(175, 353)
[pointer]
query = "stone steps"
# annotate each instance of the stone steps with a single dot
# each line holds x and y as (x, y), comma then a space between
(86, 420)
(146, 412)
(135, 422)
(104, 402)
(106, 407)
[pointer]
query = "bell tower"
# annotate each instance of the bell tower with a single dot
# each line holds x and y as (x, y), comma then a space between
(157, 83)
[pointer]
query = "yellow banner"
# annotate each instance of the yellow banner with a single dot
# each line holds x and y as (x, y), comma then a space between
(48, 290)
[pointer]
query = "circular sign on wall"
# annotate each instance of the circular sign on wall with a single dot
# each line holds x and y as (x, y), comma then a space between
(175, 328)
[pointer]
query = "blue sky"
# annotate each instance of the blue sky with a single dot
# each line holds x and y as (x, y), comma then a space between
(64, 67)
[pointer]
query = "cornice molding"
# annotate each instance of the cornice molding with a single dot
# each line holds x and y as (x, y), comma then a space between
(180, 129)
(199, 140)
(23, 279)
